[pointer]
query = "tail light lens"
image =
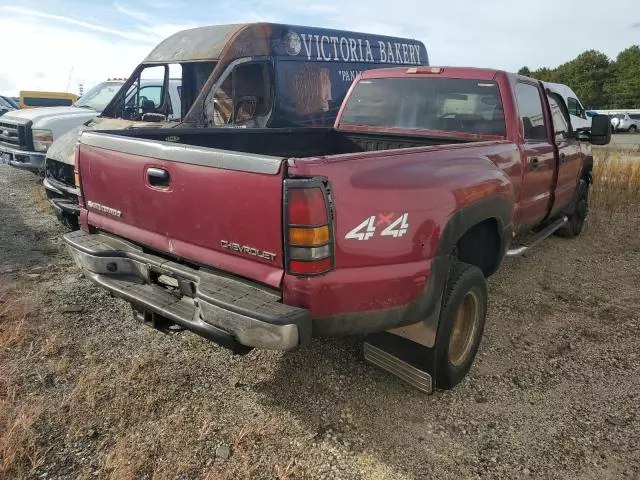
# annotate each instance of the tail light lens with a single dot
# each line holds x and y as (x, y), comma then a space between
(308, 238)
(76, 173)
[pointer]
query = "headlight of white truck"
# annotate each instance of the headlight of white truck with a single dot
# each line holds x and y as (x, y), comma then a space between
(42, 139)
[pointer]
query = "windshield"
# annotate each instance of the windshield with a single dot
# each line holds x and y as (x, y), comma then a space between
(99, 96)
(441, 104)
(11, 102)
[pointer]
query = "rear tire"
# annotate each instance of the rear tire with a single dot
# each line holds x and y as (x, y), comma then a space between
(462, 321)
(633, 129)
(579, 214)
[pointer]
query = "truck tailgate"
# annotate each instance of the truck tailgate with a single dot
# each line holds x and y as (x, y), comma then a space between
(211, 207)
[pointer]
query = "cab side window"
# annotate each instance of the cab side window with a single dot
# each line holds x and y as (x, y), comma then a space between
(245, 96)
(531, 112)
(575, 108)
(560, 121)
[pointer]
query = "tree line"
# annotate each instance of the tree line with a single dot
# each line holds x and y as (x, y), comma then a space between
(599, 82)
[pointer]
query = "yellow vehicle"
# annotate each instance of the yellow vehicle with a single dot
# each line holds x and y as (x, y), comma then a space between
(35, 99)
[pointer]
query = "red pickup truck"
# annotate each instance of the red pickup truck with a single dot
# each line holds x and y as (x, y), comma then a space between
(387, 224)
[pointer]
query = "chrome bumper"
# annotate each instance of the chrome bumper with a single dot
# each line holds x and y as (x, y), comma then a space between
(59, 187)
(63, 199)
(222, 309)
(33, 161)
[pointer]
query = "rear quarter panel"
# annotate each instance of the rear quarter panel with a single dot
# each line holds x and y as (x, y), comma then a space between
(428, 185)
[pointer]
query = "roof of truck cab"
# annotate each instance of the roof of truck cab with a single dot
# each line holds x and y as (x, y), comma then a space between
(215, 42)
(195, 44)
(434, 71)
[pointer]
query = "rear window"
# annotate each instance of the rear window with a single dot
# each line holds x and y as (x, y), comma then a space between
(441, 104)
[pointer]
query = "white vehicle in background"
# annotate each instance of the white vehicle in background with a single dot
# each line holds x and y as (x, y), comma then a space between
(27, 134)
(142, 99)
(625, 122)
(579, 118)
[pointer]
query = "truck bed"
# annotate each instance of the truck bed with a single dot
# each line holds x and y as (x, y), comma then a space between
(286, 142)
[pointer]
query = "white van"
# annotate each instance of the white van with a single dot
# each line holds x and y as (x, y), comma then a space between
(579, 118)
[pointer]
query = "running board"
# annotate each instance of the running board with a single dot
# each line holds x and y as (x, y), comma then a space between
(403, 358)
(538, 237)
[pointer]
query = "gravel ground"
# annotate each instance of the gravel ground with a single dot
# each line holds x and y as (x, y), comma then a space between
(554, 392)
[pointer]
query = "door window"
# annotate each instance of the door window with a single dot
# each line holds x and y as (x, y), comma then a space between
(575, 108)
(146, 94)
(531, 113)
(151, 94)
(560, 121)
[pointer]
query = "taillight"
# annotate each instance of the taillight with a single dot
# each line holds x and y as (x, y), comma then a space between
(76, 172)
(308, 237)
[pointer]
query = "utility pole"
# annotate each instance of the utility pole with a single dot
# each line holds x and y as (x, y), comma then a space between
(69, 80)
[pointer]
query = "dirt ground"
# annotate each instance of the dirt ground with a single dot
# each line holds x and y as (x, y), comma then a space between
(89, 393)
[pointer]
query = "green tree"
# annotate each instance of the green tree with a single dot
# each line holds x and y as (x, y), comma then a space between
(525, 71)
(623, 88)
(587, 75)
(544, 74)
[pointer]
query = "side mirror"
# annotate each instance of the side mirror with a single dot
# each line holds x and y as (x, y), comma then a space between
(600, 130)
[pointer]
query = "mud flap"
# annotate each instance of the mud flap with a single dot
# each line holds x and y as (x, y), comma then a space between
(407, 352)
(408, 360)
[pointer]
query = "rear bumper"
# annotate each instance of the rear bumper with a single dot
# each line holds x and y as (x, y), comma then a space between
(33, 161)
(225, 310)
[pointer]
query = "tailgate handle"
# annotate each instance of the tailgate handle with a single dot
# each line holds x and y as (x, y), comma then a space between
(158, 177)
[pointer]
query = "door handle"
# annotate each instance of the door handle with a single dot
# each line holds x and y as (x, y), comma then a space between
(158, 177)
(534, 163)
(563, 158)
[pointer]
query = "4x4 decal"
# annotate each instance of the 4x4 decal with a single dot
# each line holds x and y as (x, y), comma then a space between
(369, 227)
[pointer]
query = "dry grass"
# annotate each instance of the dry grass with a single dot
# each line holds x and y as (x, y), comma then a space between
(19, 452)
(155, 432)
(39, 197)
(12, 319)
(615, 193)
(138, 418)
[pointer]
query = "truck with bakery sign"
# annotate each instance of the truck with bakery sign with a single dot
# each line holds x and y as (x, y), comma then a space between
(257, 75)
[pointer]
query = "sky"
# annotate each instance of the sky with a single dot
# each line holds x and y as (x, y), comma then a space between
(59, 44)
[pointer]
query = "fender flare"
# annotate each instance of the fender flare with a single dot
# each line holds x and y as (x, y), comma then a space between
(497, 208)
